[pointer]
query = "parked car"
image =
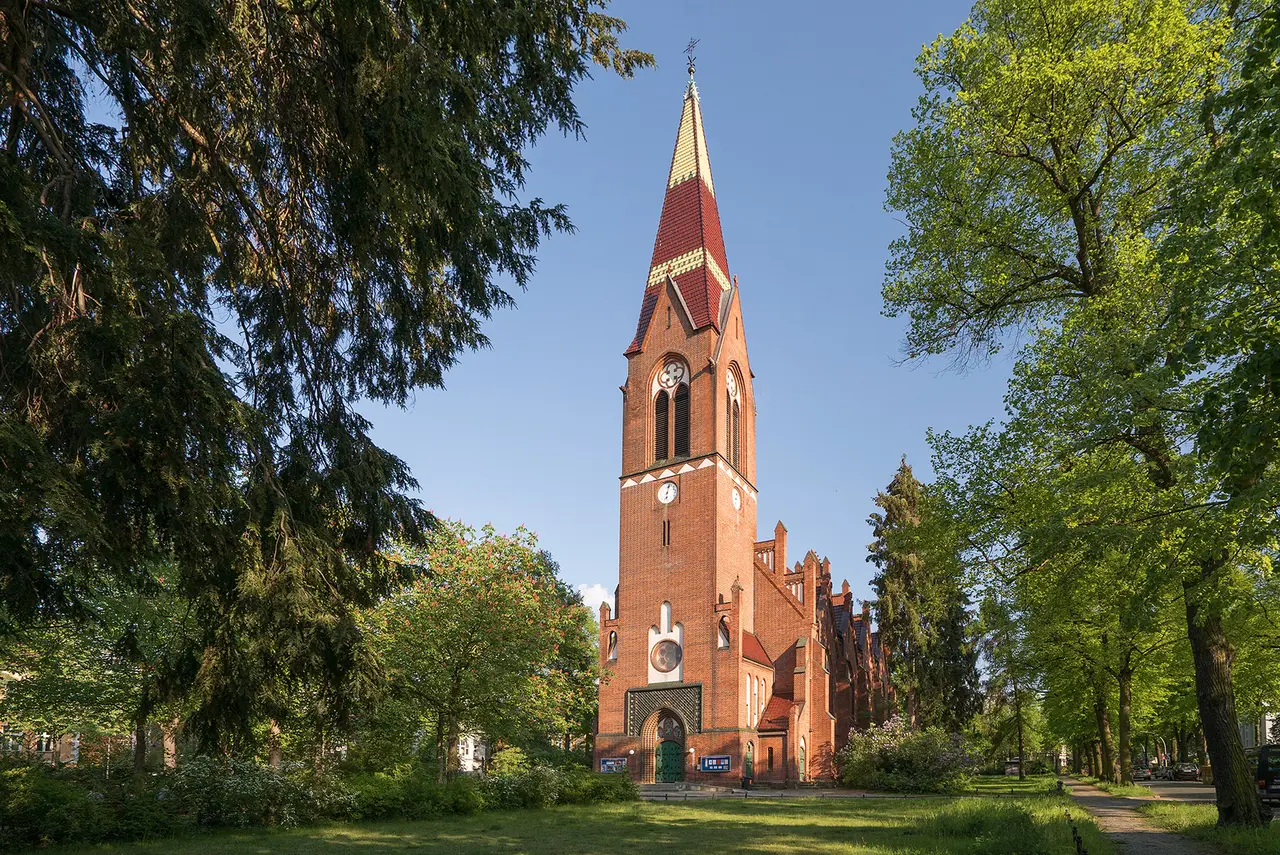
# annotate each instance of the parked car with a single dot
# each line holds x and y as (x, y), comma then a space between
(1141, 773)
(1267, 773)
(1163, 773)
(1186, 772)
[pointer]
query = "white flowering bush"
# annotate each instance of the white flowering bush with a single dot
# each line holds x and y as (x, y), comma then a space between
(896, 758)
(242, 793)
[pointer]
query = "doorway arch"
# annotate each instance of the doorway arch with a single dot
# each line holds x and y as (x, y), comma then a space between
(668, 763)
(663, 744)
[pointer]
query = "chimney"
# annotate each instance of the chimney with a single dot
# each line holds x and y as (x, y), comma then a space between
(780, 547)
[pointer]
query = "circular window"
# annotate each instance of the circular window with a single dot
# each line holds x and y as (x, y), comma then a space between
(665, 656)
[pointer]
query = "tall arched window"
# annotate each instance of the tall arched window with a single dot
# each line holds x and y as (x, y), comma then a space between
(724, 632)
(733, 418)
(613, 645)
(660, 427)
(737, 437)
(682, 421)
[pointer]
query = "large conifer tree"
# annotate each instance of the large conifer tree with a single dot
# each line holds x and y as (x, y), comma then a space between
(922, 610)
(223, 224)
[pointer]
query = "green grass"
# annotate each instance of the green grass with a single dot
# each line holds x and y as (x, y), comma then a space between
(1010, 785)
(1124, 791)
(1200, 822)
(927, 826)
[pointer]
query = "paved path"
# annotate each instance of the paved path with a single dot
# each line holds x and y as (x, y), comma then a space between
(1128, 828)
(1182, 791)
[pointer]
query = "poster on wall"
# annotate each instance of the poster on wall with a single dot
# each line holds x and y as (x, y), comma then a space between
(613, 764)
(715, 763)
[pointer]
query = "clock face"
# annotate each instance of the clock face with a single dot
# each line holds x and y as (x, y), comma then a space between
(672, 374)
(665, 656)
(731, 383)
(668, 492)
(737, 499)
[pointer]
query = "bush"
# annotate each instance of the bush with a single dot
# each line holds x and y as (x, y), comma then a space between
(42, 806)
(895, 758)
(509, 761)
(583, 787)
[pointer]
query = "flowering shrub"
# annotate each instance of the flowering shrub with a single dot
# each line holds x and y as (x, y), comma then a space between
(243, 793)
(896, 758)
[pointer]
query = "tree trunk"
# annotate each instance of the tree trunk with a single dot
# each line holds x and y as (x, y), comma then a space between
(1212, 652)
(1125, 678)
(1107, 769)
(170, 730)
(275, 753)
(140, 743)
(1095, 758)
(1022, 754)
(440, 746)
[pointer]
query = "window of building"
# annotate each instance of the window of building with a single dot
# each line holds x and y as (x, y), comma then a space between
(682, 421)
(737, 437)
(770, 761)
(733, 417)
(660, 406)
(724, 633)
(613, 645)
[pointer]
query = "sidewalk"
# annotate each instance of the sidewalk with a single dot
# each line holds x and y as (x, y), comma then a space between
(1120, 819)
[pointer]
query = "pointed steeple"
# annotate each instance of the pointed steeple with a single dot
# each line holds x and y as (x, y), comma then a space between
(690, 246)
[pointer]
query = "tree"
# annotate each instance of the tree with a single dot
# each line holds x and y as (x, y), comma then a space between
(921, 607)
(1045, 148)
(298, 210)
(490, 641)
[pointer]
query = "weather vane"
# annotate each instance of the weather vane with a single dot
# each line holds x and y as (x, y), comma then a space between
(693, 43)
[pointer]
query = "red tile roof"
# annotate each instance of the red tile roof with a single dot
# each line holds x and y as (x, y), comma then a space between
(690, 245)
(752, 649)
(777, 715)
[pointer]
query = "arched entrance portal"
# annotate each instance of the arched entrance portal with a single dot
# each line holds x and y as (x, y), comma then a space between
(668, 764)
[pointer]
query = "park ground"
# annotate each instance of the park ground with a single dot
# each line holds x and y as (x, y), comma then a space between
(999, 815)
(1011, 825)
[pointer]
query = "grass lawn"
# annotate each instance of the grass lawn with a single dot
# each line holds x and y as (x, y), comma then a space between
(1124, 791)
(1200, 821)
(1009, 784)
(928, 826)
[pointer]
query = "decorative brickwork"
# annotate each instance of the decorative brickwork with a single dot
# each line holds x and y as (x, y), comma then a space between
(772, 663)
(684, 700)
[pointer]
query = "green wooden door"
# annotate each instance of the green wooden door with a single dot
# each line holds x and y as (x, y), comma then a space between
(749, 761)
(670, 765)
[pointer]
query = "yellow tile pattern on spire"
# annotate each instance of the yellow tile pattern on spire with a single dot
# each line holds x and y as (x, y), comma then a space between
(691, 146)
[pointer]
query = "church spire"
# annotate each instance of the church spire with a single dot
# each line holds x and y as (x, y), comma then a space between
(690, 246)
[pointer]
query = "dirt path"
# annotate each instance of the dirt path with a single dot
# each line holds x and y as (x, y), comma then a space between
(1130, 829)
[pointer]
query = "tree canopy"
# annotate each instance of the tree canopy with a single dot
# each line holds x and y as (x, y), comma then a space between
(224, 225)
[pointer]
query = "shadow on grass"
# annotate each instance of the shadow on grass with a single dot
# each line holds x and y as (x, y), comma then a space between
(900, 827)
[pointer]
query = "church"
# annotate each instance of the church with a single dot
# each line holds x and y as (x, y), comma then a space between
(720, 661)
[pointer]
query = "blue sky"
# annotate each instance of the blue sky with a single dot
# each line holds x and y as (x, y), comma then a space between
(800, 102)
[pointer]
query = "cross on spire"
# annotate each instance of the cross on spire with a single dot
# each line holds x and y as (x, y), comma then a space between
(688, 50)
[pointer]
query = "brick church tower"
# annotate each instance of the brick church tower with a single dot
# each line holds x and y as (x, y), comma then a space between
(691, 691)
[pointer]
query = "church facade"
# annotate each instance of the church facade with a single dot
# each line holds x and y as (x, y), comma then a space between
(720, 660)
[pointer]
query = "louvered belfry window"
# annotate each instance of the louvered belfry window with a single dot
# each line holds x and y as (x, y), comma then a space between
(728, 424)
(736, 437)
(660, 427)
(682, 421)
